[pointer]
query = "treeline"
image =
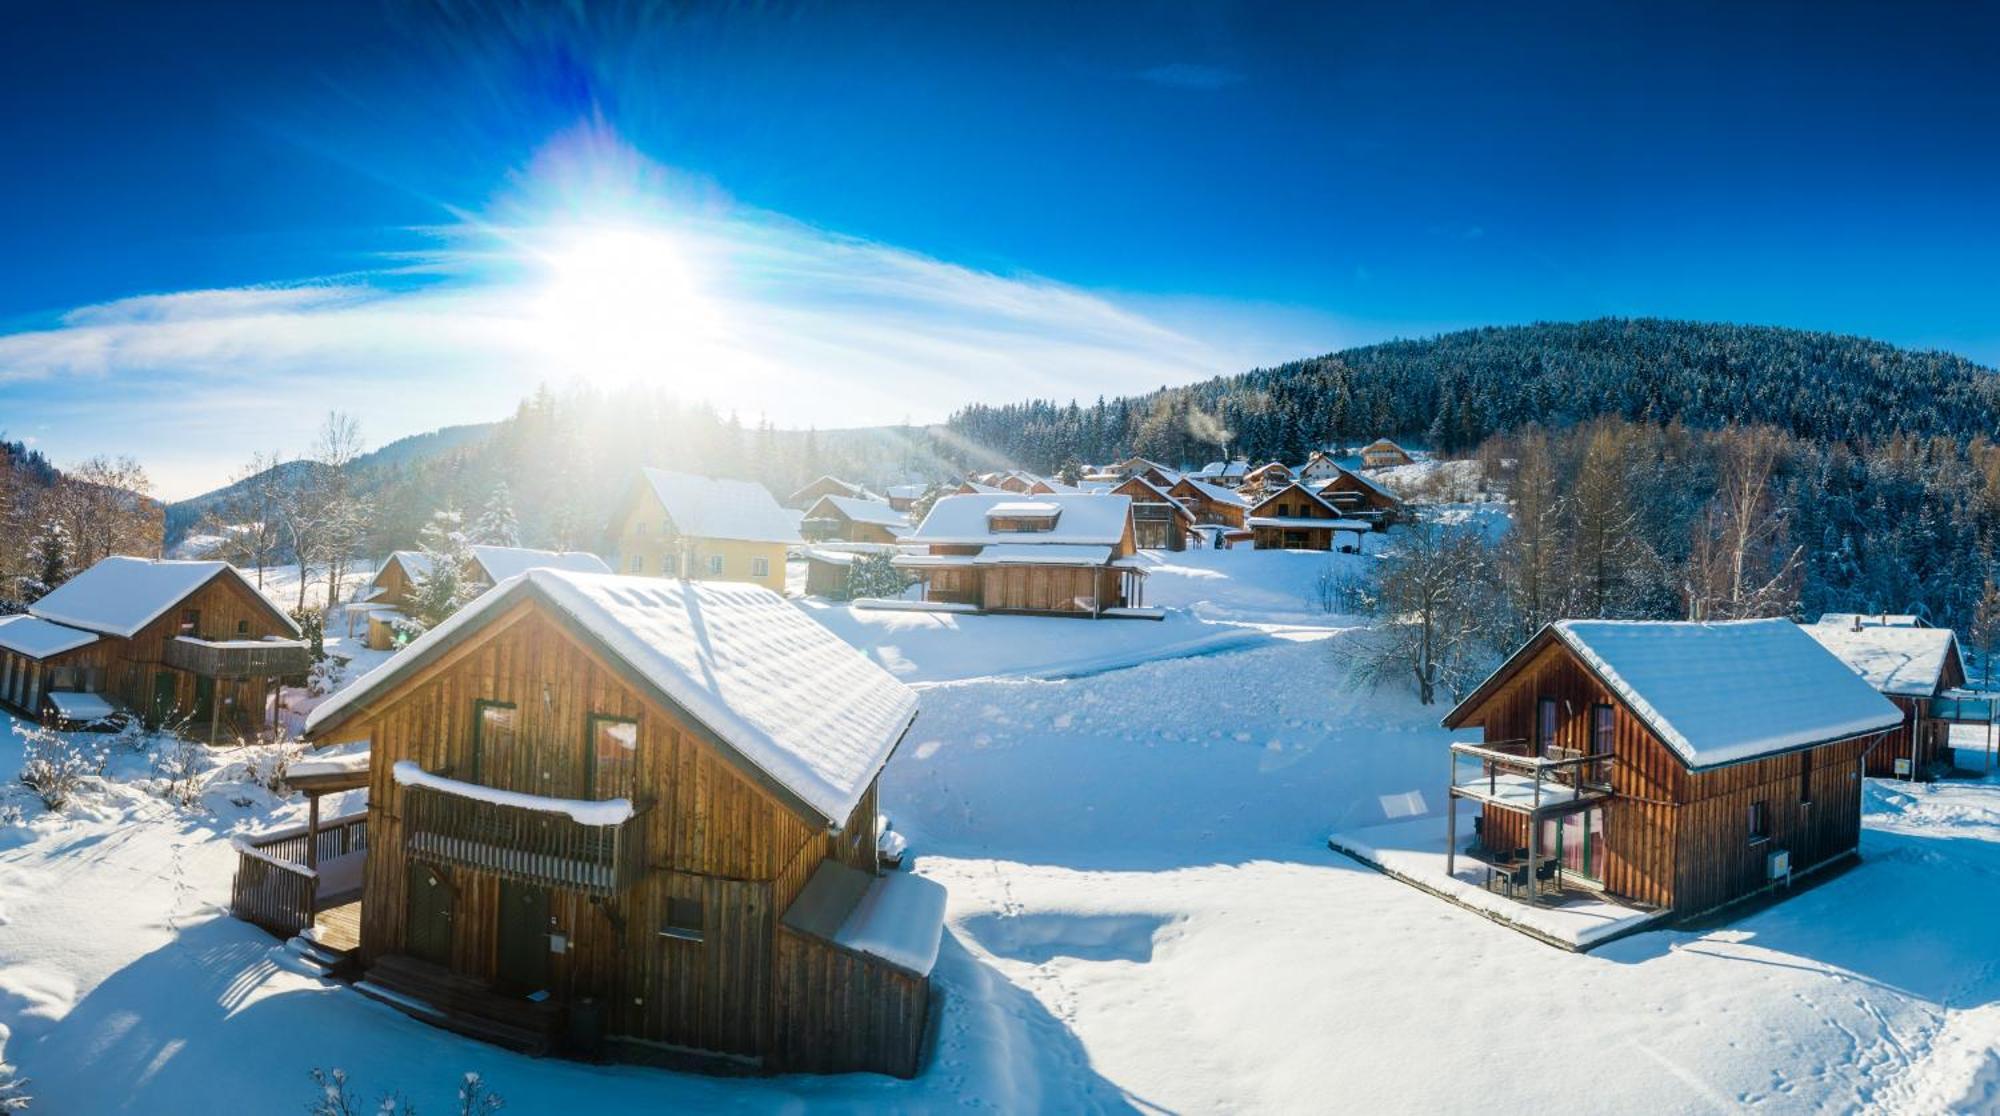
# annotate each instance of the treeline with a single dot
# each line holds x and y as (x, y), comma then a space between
(56, 521)
(1454, 391)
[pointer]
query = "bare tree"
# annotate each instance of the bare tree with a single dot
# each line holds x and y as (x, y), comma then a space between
(1437, 611)
(248, 518)
(106, 506)
(343, 514)
(1739, 567)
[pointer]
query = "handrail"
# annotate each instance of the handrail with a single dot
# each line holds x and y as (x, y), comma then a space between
(528, 845)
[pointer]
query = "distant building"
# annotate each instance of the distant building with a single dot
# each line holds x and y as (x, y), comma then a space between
(1357, 497)
(1318, 469)
(903, 497)
(383, 602)
(1383, 454)
(1159, 522)
(1911, 666)
(702, 528)
(1210, 503)
(827, 486)
(1068, 554)
(1267, 477)
(1296, 518)
(849, 519)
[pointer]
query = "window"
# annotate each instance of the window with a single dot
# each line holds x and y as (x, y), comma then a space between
(715, 565)
(1600, 730)
(190, 621)
(637, 564)
(614, 757)
(683, 920)
(1805, 777)
(760, 567)
(493, 729)
(1760, 822)
(1545, 726)
(670, 565)
(243, 627)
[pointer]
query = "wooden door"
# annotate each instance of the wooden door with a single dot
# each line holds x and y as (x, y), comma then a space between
(204, 699)
(163, 696)
(522, 961)
(428, 933)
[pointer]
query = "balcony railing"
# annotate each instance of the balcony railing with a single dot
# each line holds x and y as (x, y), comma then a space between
(526, 838)
(1509, 774)
(242, 658)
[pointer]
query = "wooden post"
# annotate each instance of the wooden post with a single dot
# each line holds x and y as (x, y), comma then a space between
(1535, 844)
(1450, 815)
(214, 708)
(312, 854)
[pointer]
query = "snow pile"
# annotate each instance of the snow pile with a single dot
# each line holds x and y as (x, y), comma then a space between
(1725, 692)
(715, 508)
(79, 708)
(38, 639)
(503, 562)
(120, 595)
(582, 811)
(900, 918)
(1908, 661)
(787, 695)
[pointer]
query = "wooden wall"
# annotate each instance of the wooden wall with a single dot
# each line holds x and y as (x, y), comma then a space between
(25, 680)
(712, 834)
(1718, 862)
(841, 1012)
(229, 610)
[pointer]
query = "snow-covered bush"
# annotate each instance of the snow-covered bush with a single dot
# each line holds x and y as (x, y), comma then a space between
(871, 575)
(1338, 589)
(311, 620)
(56, 767)
(178, 769)
(131, 737)
(267, 765)
(326, 676)
(334, 1099)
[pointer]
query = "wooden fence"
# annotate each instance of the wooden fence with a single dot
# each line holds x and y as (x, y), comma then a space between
(274, 888)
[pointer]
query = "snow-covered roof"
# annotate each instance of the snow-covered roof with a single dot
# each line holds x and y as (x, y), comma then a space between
(965, 520)
(786, 696)
(1060, 554)
(981, 488)
(1224, 469)
(38, 638)
(1296, 522)
(1720, 693)
(1906, 661)
(897, 917)
(503, 562)
(1165, 497)
(716, 508)
(415, 563)
(1302, 490)
(1365, 483)
(1215, 492)
(1023, 509)
(905, 491)
(1873, 619)
(582, 811)
(846, 486)
(121, 595)
(79, 707)
(876, 512)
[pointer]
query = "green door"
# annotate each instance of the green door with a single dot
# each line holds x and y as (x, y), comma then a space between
(523, 961)
(163, 696)
(427, 935)
(204, 699)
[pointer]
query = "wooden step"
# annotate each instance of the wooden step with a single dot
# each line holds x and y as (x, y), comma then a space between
(459, 1003)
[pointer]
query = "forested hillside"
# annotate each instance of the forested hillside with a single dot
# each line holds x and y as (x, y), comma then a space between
(1454, 391)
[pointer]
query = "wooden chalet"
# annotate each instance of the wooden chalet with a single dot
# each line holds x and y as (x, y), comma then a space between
(634, 817)
(1383, 454)
(381, 603)
(806, 496)
(1320, 467)
(1357, 497)
(1224, 474)
(903, 497)
(1673, 766)
(703, 528)
(847, 519)
(188, 643)
(1914, 667)
(1268, 477)
(1062, 554)
(1296, 518)
(828, 566)
(1159, 522)
(1211, 504)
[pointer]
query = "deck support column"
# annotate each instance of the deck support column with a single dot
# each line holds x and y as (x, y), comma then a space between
(1450, 833)
(312, 854)
(1534, 855)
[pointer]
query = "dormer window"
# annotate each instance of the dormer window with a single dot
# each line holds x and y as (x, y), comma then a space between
(1023, 516)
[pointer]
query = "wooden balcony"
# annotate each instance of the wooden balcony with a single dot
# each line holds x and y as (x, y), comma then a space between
(525, 838)
(1510, 776)
(284, 878)
(243, 658)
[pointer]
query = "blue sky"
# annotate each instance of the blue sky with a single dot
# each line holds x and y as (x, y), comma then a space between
(228, 218)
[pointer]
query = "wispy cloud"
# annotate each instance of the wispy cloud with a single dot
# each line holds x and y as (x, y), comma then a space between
(1192, 75)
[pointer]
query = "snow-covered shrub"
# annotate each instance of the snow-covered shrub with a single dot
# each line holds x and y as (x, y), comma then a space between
(267, 764)
(131, 737)
(311, 620)
(1338, 589)
(56, 767)
(326, 676)
(872, 575)
(178, 769)
(475, 1099)
(334, 1099)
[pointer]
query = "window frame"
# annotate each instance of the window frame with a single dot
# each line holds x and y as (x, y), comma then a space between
(1760, 822)
(760, 567)
(1805, 777)
(637, 564)
(715, 565)
(591, 723)
(1548, 724)
(678, 928)
(479, 708)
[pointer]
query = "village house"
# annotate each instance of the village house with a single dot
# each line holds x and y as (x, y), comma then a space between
(1268, 477)
(1224, 474)
(903, 497)
(1358, 497)
(1210, 503)
(848, 519)
(1319, 468)
(827, 486)
(628, 816)
(1911, 666)
(1383, 454)
(382, 604)
(1296, 518)
(1672, 766)
(1159, 522)
(1063, 554)
(187, 643)
(705, 528)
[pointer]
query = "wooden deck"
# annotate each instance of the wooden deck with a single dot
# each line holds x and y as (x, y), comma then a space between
(339, 927)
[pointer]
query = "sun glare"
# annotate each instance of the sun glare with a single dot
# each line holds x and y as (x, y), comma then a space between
(620, 305)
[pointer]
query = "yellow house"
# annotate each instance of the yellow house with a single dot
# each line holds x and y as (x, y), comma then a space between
(703, 529)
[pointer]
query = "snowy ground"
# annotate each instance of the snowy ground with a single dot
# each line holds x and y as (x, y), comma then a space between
(1144, 916)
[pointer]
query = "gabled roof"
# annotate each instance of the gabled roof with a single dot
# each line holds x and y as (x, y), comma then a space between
(1908, 662)
(786, 700)
(848, 487)
(415, 563)
(877, 512)
(1213, 492)
(1267, 467)
(1285, 492)
(981, 488)
(965, 520)
(1381, 444)
(38, 638)
(1715, 693)
(1148, 487)
(1365, 483)
(1875, 619)
(503, 562)
(716, 508)
(120, 595)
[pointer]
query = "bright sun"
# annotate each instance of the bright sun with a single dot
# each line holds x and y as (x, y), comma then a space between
(623, 304)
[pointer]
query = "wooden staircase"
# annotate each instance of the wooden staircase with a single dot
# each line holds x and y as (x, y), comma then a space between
(459, 1003)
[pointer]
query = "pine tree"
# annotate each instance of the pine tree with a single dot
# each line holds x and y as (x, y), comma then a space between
(439, 589)
(497, 525)
(872, 575)
(53, 552)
